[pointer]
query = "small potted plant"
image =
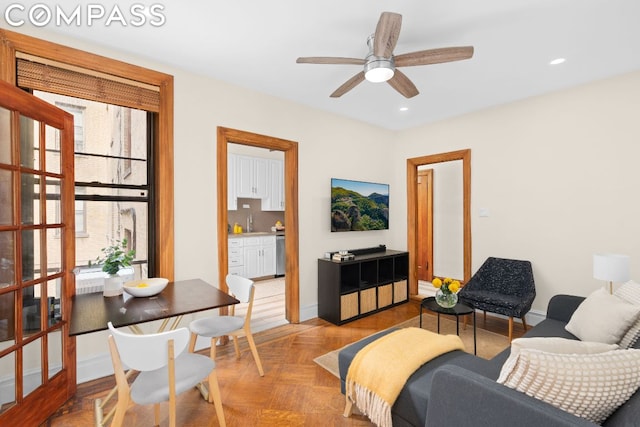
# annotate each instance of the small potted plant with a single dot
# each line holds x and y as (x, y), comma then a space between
(114, 258)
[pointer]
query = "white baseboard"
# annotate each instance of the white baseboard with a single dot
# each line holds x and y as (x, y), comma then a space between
(95, 367)
(308, 312)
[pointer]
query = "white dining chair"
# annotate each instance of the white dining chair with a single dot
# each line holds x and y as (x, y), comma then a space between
(234, 326)
(165, 370)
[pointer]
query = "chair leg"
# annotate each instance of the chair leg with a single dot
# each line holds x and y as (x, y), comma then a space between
(192, 342)
(510, 328)
(156, 412)
(215, 398)
(524, 323)
(236, 346)
(254, 350)
(121, 409)
(212, 350)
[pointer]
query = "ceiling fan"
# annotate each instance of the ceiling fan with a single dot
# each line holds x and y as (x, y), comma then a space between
(381, 64)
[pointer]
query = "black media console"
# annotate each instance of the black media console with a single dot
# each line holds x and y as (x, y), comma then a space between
(373, 281)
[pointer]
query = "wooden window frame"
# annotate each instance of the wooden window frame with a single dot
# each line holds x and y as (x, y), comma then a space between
(13, 45)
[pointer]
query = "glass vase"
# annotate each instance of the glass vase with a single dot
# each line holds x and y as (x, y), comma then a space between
(446, 299)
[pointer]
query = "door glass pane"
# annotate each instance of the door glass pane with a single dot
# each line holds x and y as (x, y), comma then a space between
(54, 345)
(7, 259)
(8, 389)
(31, 310)
(53, 201)
(29, 143)
(53, 301)
(7, 320)
(52, 145)
(30, 194)
(6, 196)
(30, 255)
(54, 252)
(32, 372)
(5, 136)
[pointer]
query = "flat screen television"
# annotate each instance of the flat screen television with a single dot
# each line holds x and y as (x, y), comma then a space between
(359, 205)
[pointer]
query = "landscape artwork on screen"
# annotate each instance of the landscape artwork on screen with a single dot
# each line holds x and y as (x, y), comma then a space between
(359, 205)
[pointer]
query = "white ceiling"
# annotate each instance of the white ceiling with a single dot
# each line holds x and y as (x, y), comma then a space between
(255, 43)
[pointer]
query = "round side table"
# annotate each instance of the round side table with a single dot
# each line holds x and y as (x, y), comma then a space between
(460, 309)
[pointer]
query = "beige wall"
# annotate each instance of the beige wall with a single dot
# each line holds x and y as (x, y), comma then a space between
(557, 173)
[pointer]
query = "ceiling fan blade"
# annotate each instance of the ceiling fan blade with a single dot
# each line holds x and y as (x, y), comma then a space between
(402, 84)
(348, 85)
(329, 60)
(386, 35)
(433, 56)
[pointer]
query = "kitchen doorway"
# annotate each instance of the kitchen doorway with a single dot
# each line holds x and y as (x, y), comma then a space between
(290, 150)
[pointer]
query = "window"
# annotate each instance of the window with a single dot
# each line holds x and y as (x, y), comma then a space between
(45, 66)
(78, 124)
(81, 215)
(112, 188)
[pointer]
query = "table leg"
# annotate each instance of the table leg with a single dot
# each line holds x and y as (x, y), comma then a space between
(438, 322)
(457, 325)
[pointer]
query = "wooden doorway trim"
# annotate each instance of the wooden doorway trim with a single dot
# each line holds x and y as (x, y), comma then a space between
(424, 225)
(412, 209)
(290, 149)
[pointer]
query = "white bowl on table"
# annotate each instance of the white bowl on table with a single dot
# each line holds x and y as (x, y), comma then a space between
(145, 287)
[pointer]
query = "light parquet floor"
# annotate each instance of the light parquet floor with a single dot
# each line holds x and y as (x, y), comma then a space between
(294, 391)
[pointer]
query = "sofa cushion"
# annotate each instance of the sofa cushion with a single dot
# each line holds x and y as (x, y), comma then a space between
(552, 345)
(590, 386)
(630, 292)
(603, 318)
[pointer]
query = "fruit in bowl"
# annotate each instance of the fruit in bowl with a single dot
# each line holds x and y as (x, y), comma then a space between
(145, 287)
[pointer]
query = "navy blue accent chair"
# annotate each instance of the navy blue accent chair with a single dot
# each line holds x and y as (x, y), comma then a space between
(502, 286)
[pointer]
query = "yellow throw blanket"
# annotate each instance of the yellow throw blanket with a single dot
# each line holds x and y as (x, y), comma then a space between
(380, 370)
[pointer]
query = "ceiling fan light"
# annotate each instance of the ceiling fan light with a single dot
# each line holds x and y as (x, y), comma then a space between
(378, 70)
(378, 75)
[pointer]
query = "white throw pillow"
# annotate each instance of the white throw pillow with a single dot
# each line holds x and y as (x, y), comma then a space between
(602, 317)
(551, 345)
(630, 292)
(591, 386)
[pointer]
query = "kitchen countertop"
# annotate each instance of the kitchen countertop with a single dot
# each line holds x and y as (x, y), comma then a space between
(257, 233)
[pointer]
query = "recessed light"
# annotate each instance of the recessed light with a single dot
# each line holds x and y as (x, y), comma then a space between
(404, 108)
(557, 61)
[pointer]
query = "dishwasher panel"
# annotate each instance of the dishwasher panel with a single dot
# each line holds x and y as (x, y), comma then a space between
(280, 256)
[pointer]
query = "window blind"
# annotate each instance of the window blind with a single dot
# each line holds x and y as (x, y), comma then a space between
(45, 75)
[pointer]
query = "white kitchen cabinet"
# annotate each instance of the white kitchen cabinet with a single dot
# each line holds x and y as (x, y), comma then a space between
(275, 195)
(236, 256)
(251, 177)
(232, 198)
(260, 256)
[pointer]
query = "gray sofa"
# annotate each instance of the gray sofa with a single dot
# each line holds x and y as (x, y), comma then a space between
(459, 389)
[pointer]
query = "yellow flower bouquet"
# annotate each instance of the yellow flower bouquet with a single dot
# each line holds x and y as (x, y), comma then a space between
(446, 295)
(446, 285)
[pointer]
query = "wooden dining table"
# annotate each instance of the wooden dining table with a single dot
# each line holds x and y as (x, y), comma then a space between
(91, 313)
